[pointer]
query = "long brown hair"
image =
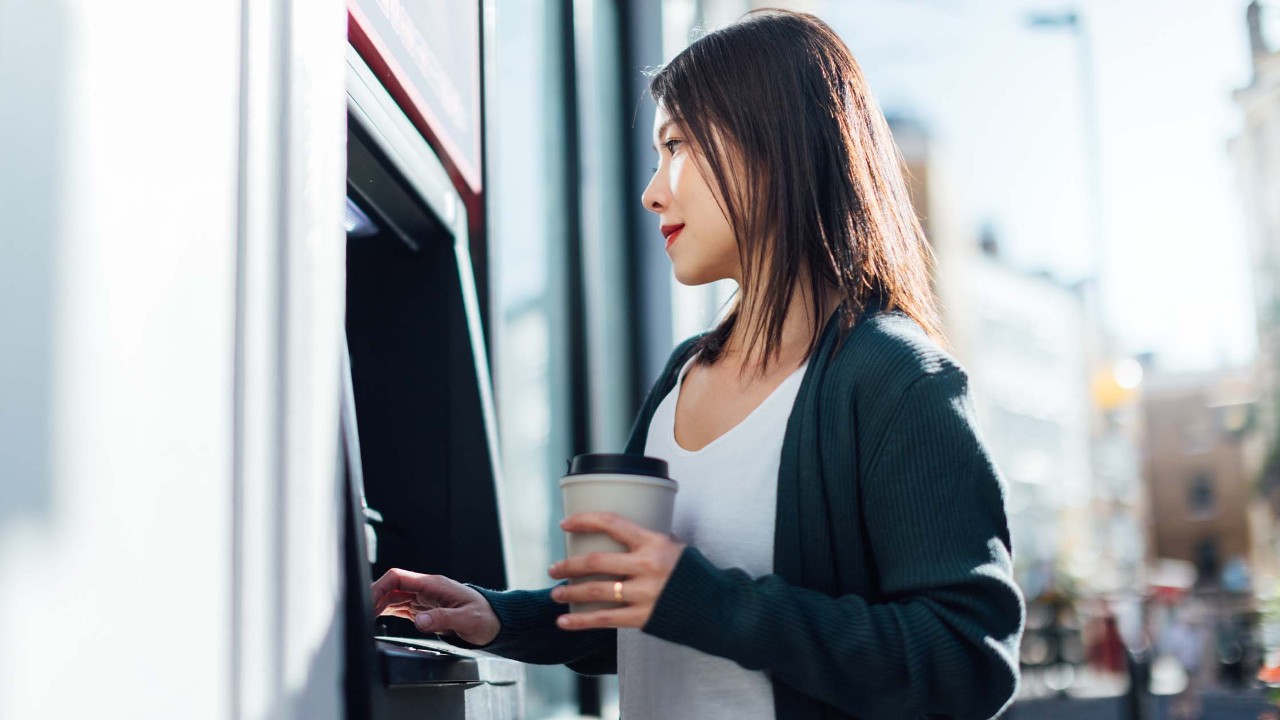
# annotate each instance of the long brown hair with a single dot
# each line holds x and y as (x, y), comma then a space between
(777, 98)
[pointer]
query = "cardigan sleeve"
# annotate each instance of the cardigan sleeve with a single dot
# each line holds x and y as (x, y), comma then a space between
(529, 634)
(942, 636)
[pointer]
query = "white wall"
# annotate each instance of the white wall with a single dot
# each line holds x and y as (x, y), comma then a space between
(120, 178)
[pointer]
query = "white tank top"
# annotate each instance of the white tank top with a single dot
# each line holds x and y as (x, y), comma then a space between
(725, 507)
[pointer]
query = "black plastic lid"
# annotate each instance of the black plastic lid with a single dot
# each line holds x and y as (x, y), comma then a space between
(621, 463)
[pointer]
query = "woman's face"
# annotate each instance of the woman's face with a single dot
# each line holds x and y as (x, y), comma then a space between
(698, 235)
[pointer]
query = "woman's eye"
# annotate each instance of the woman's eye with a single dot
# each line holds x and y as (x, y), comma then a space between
(670, 145)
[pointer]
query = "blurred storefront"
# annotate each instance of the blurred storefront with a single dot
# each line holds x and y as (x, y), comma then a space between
(1202, 454)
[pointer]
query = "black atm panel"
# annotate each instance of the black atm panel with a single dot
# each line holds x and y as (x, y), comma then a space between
(420, 467)
(428, 467)
(406, 678)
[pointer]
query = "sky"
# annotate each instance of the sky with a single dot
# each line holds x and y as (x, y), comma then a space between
(1003, 105)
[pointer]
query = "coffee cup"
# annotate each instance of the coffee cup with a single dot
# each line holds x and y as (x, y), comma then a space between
(634, 486)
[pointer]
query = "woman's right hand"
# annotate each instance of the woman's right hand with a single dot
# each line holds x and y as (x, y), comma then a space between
(435, 603)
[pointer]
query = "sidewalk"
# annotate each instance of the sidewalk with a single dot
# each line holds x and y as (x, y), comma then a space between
(1216, 705)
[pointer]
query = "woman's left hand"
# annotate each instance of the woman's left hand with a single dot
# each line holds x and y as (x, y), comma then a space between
(645, 568)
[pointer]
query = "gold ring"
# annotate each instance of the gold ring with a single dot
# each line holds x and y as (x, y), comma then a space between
(617, 592)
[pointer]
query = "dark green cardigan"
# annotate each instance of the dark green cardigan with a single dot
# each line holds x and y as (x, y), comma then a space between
(892, 594)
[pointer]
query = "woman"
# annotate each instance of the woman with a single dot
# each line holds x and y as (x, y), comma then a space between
(841, 547)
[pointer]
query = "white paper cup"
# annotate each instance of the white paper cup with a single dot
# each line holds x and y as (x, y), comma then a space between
(633, 486)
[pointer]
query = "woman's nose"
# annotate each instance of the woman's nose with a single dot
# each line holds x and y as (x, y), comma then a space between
(654, 198)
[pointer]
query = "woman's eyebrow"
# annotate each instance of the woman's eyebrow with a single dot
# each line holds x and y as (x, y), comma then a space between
(661, 129)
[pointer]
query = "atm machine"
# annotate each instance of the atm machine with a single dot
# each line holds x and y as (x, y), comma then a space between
(418, 425)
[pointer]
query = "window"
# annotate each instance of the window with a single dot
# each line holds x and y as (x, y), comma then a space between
(1200, 496)
(526, 183)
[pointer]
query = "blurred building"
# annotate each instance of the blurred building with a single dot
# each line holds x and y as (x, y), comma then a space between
(1257, 154)
(1202, 449)
(1024, 340)
(1257, 157)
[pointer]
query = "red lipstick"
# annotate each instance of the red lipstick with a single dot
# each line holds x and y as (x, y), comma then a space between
(671, 231)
